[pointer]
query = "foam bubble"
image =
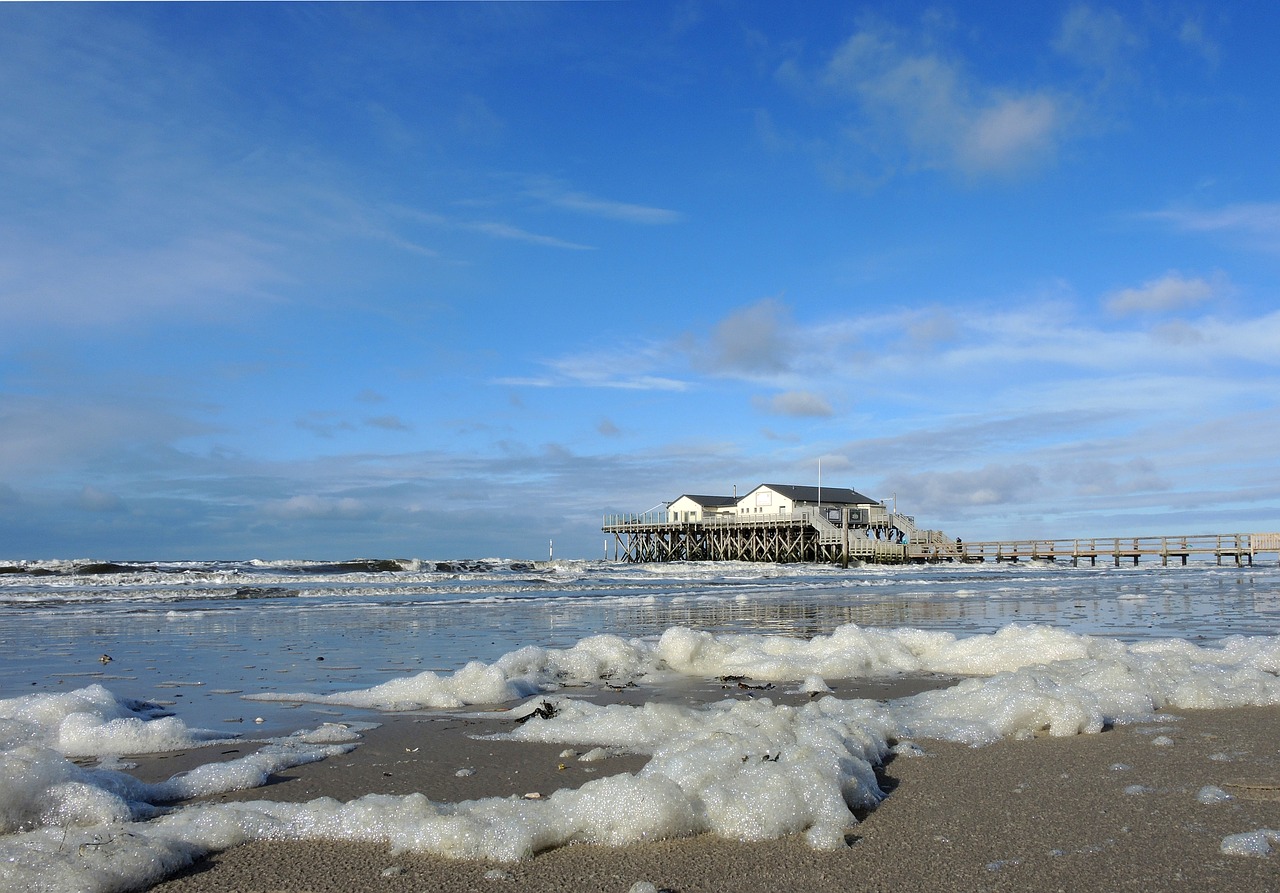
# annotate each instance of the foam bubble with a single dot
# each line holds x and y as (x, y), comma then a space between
(1128, 679)
(1211, 795)
(1250, 843)
(92, 721)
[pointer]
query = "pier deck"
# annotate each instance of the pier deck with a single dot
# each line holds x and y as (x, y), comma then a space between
(811, 537)
(776, 538)
(1239, 548)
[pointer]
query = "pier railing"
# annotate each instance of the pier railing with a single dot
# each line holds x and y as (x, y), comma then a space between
(1238, 547)
(811, 517)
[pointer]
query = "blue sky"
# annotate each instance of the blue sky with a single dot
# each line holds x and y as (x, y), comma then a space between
(455, 280)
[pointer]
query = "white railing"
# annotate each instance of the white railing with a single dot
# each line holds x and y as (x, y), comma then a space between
(880, 518)
(1264, 542)
(723, 519)
(1211, 544)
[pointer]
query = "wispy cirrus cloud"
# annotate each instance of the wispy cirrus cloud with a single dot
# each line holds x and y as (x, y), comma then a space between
(1255, 224)
(493, 229)
(204, 275)
(507, 231)
(614, 210)
(931, 358)
(545, 192)
(631, 368)
(557, 194)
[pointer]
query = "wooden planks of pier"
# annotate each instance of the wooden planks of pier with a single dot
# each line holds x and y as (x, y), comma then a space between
(1237, 548)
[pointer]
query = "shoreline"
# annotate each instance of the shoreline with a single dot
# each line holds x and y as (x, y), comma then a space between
(421, 751)
(1090, 812)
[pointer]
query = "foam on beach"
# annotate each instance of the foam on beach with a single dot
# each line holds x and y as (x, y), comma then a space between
(747, 770)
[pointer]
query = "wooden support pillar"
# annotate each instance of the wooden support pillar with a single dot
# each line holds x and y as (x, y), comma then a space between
(845, 560)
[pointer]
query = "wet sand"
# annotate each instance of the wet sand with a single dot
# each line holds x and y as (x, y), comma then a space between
(1112, 811)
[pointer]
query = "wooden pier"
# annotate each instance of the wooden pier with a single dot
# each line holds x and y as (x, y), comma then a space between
(805, 536)
(1237, 548)
(809, 536)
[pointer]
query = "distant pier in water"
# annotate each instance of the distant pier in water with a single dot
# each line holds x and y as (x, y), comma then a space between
(1239, 548)
(787, 523)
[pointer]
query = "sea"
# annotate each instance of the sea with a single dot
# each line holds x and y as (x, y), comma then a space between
(101, 659)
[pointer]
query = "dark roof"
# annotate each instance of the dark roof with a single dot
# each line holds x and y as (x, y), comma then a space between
(830, 495)
(708, 501)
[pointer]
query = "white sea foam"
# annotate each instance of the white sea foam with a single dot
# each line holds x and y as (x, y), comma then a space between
(1211, 795)
(92, 721)
(1076, 681)
(1250, 843)
(743, 769)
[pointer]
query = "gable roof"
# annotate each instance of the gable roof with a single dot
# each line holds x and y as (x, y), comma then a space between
(708, 501)
(830, 495)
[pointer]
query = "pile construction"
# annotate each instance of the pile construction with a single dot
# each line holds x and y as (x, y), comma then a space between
(792, 523)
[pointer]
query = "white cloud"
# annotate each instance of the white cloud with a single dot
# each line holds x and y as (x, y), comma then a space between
(388, 423)
(515, 233)
(1100, 39)
(119, 200)
(942, 115)
(1193, 36)
(493, 229)
(41, 435)
(1115, 478)
(1009, 133)
(313, 507)
(1257, 224)
(796, 403)
(1172, 291)
(614, 210)
(206, 276)
(1178, 332)
(944, 492)
(627, 367)
(930, 328)
(557, 194)
(755, 339)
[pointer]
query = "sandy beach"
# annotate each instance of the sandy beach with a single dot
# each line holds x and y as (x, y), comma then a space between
(1122, 809)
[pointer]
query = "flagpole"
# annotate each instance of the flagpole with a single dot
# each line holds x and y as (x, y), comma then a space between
(819, 487)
